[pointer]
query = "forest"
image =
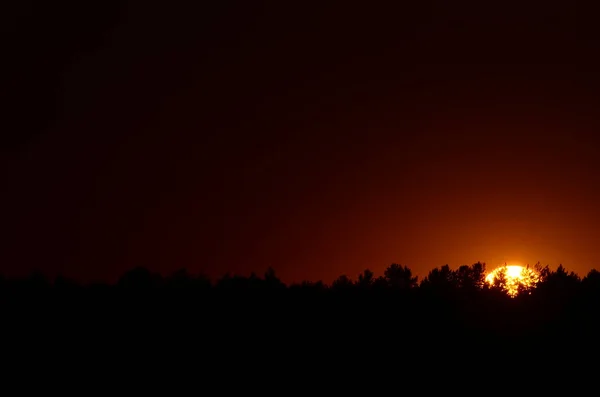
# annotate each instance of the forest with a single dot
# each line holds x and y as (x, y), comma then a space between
(459, 303)
(239, 330)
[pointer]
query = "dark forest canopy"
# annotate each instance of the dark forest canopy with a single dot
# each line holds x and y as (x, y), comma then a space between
(395, 278)
(450, 312)
(465, 290)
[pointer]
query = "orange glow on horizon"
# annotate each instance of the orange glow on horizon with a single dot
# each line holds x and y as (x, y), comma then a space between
(516, 277)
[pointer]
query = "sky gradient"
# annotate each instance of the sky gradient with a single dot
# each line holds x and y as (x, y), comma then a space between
(317, 140)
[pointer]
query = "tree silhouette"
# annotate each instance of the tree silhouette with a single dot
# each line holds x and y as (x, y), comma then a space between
(542, 271)
(343, 282)
(366, 279)
(559, 283)
(400, 277)
(529, 281)
(500, 282)
(470, 277)
(465, 278)
(271, 279)
(592, 279)
(549, 305)
(441, 279)
(139, 278)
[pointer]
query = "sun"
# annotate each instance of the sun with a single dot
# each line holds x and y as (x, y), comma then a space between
(515, 277)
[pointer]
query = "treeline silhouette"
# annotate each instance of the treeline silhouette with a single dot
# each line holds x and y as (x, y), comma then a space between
(449, 312)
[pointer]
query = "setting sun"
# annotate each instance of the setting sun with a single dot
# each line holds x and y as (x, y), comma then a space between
(515, 277)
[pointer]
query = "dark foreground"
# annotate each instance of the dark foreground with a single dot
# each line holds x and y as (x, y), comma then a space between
(267, 326)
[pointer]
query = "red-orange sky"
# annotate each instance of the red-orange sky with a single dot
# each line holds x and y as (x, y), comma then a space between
(316, 140)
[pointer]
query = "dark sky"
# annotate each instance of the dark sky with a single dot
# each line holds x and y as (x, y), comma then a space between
(319, 140)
